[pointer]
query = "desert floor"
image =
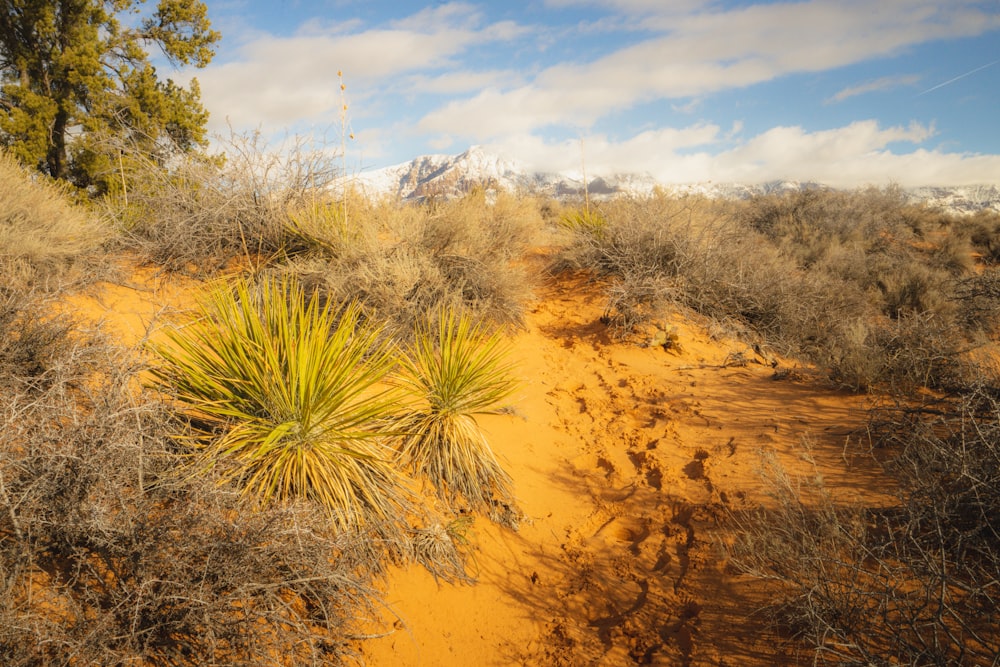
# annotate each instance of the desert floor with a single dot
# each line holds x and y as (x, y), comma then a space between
(627, 460)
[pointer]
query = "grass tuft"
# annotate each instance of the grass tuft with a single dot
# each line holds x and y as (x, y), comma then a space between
(45, 240)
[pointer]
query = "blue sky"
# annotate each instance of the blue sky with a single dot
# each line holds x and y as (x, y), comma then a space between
(845, 92)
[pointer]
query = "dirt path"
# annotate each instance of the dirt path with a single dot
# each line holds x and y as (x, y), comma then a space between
(625, 460)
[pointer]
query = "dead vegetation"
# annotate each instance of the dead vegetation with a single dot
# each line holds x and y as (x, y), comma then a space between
(912, 582)
(882, 294)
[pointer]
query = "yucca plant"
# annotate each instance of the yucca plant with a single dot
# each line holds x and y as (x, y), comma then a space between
(586, 222)
(455, 370)
(286, 402)
(321, 226)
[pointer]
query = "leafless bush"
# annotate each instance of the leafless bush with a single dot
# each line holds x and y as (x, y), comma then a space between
(978, 297)
(204, 211)
(910, 583)
(847, 280)
(466, 253)
(634, 301)
(984, 233)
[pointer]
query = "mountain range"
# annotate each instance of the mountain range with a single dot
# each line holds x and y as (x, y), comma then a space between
(452, 175)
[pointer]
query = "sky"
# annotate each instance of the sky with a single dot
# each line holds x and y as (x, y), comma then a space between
(843, 92)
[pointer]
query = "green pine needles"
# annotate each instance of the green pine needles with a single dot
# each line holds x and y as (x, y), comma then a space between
(288, 400)
(455, 370)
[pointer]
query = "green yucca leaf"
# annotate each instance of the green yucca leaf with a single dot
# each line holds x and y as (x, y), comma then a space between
(289, 397)
(588, 222)
(453, 372)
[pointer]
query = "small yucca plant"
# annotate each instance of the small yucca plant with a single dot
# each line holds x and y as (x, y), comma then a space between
(286, 401)
(455, 370)
(586, 221)
(321, 226)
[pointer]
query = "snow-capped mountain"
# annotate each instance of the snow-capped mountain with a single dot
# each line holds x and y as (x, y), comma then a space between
(452, 175)
(963, 199)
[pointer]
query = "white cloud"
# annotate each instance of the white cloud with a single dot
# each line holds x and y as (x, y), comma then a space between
(707, 52)
(854, 155)
(462, 81)
(876, 85)
(280, 81)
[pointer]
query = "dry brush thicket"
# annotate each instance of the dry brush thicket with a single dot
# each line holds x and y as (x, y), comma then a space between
(108, 556)
(881, 294)
(117, 542)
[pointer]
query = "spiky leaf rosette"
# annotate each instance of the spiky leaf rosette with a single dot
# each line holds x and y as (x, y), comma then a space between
(285, 397)
(454, 371)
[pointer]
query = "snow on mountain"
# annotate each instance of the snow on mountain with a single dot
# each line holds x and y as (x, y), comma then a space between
(962, 199)
(452, 175)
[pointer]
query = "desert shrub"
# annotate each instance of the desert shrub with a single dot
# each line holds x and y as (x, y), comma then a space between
(31, 340)
(634, 301)
(909, 583)
(978, 299)
(984, 233)
(453, 371)
(284, 395)
(808, 223)
(108, 557)
(467, 254)
(910, 287)
(861, 282)
(202, 212)
(900, 356)
(335, 227)
(45, 239)
(953, 253)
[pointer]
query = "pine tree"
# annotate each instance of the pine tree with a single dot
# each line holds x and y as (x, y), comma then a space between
(77, 85)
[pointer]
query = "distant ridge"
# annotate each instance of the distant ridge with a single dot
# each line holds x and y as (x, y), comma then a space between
(450, 176)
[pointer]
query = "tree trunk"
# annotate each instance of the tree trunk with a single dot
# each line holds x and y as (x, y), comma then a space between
(56, 158)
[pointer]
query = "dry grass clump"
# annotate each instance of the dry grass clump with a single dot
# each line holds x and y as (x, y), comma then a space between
(413, 260)
(912, 583)
(859, 282)
(108, 557)
(45, 240)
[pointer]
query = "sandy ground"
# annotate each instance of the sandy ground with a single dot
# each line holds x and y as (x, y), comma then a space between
(626, 458)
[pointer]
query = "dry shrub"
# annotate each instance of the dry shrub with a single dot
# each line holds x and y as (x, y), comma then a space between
(978, 298)
(108, 557)
(848, 280)
(31, 338)
(912, 583)
(466, 253)
(201, 213)
(45, 240)
(984, 233)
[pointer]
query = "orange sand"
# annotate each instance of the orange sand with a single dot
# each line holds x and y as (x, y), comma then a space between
(625, 458)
